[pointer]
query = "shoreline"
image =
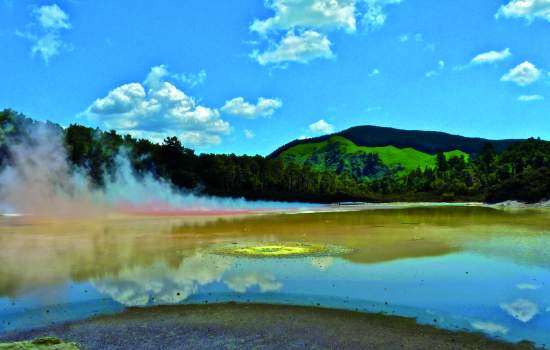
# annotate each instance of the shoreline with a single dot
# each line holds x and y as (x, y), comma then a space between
(308, 208)
(258, 326)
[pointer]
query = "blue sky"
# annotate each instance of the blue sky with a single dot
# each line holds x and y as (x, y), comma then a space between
(248, 78)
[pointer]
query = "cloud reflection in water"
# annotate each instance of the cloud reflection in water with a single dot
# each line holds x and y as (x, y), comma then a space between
(523, 310)
(161, 284)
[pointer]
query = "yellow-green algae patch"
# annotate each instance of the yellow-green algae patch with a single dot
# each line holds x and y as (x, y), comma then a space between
(281, 250)
(46, 343)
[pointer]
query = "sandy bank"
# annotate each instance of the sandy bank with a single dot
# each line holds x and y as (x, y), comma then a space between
(232, 326)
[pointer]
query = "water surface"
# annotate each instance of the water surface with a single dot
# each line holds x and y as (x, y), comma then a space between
(473, 268)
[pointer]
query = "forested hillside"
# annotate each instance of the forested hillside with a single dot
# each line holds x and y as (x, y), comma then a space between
(342, 156)
(431, 142)
(520, 172)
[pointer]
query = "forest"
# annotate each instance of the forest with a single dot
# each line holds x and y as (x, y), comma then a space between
(519, 172)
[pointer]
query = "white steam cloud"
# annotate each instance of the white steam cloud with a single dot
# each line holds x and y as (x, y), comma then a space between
(40, 181)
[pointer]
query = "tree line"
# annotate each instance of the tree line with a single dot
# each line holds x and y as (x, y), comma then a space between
(521, 172)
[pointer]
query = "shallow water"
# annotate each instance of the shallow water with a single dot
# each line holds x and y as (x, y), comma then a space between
(473, 268)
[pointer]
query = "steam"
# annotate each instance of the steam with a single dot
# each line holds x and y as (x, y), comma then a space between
(40, 181)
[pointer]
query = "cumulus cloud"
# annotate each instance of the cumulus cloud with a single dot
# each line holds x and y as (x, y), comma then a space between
(333, 14)
(160, 73)
(523, 74)
(523, 310)
(490, 327)
(491, 56)
(299, 27)
(526, 9)
(46, 41)
(265, 107)
(530, 98)
(302, 48)
(321, 127)
(157, 109)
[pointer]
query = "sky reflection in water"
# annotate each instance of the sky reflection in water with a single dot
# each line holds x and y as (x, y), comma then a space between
(474, 268)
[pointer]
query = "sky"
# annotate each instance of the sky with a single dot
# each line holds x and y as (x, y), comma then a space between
(247, 77)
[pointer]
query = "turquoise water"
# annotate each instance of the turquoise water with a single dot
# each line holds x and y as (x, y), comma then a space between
(477, 269)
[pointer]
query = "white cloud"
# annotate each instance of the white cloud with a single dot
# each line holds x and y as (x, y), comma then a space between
(47, 45)
(375, 16)
(321, 127)
(160, 73)
(200, 138)
(192, 79)
(52, 17)
(374, 73)
(265, 107)
(289, 14)
(249, 134)
(491, 56)
(121, 100)
(299, 26)
(46, 40)
(521, 309)
(418, 37)
(488, 57)
(526, 9)
(436, 72)
(156, 76)
(524, 74)
(303, 48)
(404, 38)
(161, 110)
(489, 327)
(529, 98)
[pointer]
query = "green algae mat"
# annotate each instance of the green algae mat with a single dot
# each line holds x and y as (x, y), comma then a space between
(46, 343)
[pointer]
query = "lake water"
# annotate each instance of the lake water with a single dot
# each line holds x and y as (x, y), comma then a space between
(473, 268)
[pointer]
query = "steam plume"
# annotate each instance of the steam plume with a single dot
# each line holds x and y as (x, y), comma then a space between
(40, 181)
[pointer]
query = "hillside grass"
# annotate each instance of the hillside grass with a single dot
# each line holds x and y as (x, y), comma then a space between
(408, 158)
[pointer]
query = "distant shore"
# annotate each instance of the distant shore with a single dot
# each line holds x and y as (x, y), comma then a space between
(238, 326)
(306, 209)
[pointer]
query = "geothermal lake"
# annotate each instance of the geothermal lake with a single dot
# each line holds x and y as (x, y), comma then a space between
(458, 267)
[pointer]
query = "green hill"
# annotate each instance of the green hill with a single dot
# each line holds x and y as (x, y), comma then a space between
(430, 142)
(342, 156)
